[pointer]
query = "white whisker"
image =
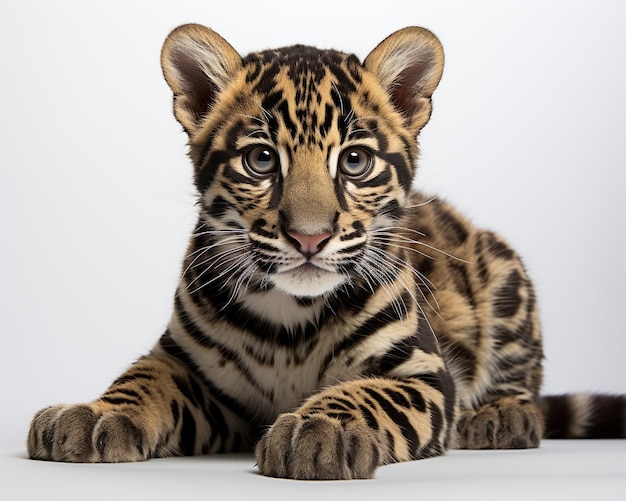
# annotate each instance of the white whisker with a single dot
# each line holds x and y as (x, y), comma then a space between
(380, 272)
(237, 261)
(267, 114)
(248, 271)
(414, 206)
(385, 232)
(401, 263)
(256, 119)
(416, 302)
(198, 253)
(339, 96)
(215, 258)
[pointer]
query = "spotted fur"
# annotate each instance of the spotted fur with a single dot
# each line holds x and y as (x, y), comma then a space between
(328, 316)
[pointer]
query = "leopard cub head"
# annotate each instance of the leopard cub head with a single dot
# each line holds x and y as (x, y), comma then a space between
(304, 158)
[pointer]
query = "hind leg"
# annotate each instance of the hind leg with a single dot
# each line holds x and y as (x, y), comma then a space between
(504, 423)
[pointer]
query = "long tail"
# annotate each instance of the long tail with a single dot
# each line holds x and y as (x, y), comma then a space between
(584, 415)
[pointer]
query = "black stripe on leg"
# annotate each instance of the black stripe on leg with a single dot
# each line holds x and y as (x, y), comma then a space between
(397, 398)
(119, 401)
(434, 445)
(174, 408)
(120, 396)
(417, 400)
(188, 433)
(369, 417)
(126, 378)
(399, 418)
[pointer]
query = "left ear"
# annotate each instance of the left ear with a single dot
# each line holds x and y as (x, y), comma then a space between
(409, 64)
(198, 65)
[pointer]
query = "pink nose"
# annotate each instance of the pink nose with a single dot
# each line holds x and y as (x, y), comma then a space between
(309, 245)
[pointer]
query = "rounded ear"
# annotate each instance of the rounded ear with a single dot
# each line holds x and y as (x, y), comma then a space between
(409, 64)
(197, 64)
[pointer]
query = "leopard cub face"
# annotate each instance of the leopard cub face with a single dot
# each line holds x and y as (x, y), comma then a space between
(303, 157)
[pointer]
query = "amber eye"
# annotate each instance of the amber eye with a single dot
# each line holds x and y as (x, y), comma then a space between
(261, 161)
(355, 162)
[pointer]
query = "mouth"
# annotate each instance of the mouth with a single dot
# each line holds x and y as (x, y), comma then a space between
(307, 269)
(307, 280)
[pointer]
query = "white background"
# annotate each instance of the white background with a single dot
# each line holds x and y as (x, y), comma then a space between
(96, 200)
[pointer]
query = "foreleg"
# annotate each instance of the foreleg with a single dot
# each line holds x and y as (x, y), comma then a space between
(156, 408)
(348, 430)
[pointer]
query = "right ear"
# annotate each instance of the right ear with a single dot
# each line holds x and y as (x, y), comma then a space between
(197, 64)
(409, 64)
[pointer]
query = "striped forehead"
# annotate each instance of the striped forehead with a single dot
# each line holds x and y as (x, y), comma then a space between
(304, 94)
(305, 67)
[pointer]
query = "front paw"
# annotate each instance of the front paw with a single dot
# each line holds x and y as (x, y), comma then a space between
(317, 447)
(84, 434)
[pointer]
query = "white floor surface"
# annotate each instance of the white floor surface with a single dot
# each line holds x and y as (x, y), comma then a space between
(563, 470)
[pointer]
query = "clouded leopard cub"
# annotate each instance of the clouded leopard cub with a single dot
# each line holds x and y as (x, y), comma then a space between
(328, 317)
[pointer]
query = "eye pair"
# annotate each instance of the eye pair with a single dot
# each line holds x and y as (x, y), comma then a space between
(262, 161)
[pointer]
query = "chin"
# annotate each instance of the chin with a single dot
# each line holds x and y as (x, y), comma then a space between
(307, 281)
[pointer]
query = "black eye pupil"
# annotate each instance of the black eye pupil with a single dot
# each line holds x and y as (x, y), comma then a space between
(353, 158)
(264, 157)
